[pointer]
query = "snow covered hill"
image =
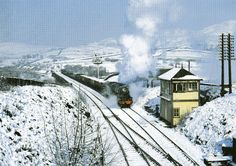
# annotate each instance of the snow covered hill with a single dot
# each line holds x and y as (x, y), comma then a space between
(10, 53)
(213, 31)
(39, 126)
(41, 59)
(212, 124)
(204, 62)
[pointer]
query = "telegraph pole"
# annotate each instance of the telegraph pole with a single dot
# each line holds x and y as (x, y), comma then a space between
(226, 49)
(221, 45)
(229, 57)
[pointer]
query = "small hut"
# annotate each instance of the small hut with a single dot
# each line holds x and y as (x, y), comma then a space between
(179, 94)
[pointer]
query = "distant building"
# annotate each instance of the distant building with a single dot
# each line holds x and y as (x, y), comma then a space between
(179, 94)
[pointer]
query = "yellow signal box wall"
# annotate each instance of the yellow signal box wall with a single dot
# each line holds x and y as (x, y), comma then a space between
(180, 94)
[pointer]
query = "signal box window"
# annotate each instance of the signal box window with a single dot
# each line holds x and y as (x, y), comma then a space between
(185, 87)
(178, 87)
(174, 87)
(193, 86)
(176, 112)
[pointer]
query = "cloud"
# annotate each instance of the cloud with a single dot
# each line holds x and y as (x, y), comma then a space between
(145, 3)
(162, 10)
(137, 61)
(210, 34)
(135, 45)
(147, 24)
(175, 12)
(147, 16)
(149, 3)
(223, 27)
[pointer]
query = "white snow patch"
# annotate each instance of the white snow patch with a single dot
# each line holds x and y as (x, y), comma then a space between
(212, 124)
(29, 117)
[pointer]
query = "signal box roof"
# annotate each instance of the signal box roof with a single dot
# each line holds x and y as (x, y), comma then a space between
(178, 74)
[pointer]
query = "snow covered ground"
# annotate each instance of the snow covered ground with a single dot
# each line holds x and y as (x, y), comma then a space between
(215, 121)
(208, 127)
(39, 126)
(148, 94)
(212, 124)
(44, 59)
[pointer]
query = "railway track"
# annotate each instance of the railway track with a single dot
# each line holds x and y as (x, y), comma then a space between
(177, 155)
(123, 129)
(112, 129)
(139, 144)
(148, 159)
(179, 152)
(143, 142)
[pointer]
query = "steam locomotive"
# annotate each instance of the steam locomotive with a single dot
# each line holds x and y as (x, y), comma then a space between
(104, 87)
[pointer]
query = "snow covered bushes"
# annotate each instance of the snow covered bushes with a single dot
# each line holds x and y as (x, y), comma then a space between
(47, 126)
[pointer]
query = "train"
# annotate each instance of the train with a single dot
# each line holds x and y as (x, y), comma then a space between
(105, 87)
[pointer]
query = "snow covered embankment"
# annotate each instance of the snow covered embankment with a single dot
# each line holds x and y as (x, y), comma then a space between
(212, 124)
(43, 126)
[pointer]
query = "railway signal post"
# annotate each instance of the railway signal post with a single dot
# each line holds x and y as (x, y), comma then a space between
(97, 61)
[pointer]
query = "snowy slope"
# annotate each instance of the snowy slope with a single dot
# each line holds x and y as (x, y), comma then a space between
(204, 63)
(10, 53)
(37, 58)
(35, 124)
(212, 124)
(212, 32)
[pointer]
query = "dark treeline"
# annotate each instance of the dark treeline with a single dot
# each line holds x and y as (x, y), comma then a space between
(8, 81)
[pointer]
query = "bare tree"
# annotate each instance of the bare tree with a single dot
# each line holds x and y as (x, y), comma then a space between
(75, 137)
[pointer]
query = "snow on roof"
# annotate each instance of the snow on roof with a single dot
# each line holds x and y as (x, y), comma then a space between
(188, 77)
(94, 78)
(115, 74)
(113, 79)
(169, 74)
(178, 74)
